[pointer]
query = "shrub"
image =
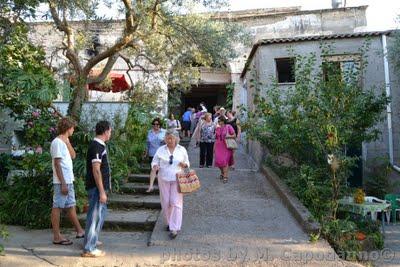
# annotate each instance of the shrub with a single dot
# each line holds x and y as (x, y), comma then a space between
(28, 201)
(3, 235)
(5, 166)
(377, 182)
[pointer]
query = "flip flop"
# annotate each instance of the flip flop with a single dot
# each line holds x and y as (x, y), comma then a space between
(80, 236)
(65, 242)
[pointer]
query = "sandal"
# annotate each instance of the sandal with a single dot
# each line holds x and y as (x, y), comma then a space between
(65, 242)
(221, 177)
(225, 180)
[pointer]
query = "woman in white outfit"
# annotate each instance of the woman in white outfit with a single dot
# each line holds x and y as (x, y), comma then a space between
(168, 161)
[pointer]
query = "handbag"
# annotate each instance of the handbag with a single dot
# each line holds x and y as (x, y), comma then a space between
(188, 182)
(231, 142)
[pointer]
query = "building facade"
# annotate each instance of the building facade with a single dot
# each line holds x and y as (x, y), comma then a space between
(270, 59)
(260, 23)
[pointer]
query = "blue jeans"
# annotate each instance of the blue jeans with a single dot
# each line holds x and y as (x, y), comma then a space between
(94, 219)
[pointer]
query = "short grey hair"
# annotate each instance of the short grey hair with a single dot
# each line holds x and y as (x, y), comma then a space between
(173, 132)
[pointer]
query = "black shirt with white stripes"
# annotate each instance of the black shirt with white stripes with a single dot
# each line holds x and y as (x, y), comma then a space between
(97, 152)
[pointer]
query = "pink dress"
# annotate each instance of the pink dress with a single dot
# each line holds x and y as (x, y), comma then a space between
(223, 155)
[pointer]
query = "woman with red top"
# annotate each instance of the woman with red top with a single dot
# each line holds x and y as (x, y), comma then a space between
(223, 155)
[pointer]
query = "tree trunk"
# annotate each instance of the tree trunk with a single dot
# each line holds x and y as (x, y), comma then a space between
(77, 99)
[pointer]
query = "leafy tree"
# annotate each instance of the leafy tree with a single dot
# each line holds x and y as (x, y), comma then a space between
(25, 80)
(159, 34)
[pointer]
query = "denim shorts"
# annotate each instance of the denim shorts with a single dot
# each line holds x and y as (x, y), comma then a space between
(63, 201)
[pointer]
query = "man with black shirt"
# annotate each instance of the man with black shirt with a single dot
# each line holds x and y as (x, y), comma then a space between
(98, 183)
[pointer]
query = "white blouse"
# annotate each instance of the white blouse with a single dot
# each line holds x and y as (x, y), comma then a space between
(162, 158)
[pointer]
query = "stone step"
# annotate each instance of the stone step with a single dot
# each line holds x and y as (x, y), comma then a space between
(131, 202)
(137, 188)
(135, 220)
(140, 178)
(145, 168)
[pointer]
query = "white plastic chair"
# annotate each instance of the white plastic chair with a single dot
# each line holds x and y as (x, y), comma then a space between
(374, 215)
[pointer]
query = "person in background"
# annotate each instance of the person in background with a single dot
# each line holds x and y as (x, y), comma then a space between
(206, 138)
(235, 123)
(62, 154)
(172, 123)
(168, 161)
(155, 138)
(186, 122)
(203, 108)
(221, 113)
(98, 184)
(216, 112)
(193, 120)
(223, 156)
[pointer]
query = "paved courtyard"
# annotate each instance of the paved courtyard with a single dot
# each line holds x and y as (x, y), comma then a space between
(241, 223)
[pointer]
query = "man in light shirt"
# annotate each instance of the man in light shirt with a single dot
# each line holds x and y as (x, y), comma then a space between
(62, 154)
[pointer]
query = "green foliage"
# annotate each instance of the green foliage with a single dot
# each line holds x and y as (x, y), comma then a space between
(377, 182)
(310, 185)
(3, 235)
(28, 200)
(27, 89)
(25, 81)
(5, 166)
(341, 234)
(378, 240)
(229, 95)
(80, 193)
(40, 127)
(126, 147)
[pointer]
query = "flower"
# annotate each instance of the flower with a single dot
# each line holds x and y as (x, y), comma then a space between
(330, 159)
(52, 130)
(39, 150)
(30, 124)
(35, 114)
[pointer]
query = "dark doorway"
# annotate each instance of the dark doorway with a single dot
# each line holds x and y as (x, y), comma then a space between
(210, 94)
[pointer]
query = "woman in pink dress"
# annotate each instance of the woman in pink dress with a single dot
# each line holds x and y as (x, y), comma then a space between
(223, 155)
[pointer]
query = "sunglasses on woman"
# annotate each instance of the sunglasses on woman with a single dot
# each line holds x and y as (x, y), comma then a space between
(155, 124)
(171, 159)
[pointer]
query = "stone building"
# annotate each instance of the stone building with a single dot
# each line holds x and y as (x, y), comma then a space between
(271, 58)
